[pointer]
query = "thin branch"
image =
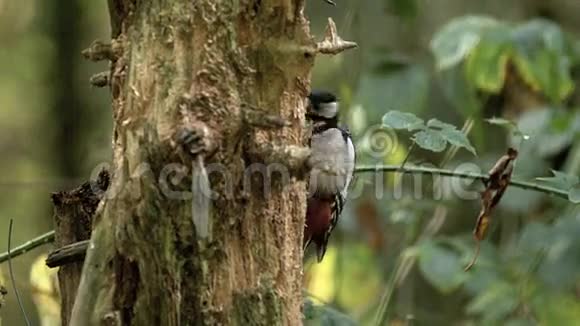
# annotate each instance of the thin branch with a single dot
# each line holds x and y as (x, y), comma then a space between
(27, 246)
(298, 156)
(408, 155)
(12, 276)
(464, 175)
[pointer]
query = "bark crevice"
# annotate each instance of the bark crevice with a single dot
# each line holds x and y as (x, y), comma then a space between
(186, 86)
(73, 217)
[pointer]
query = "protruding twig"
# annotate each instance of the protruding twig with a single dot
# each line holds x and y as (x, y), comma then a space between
(48, 237)
(330, 2)
(100, 80)
(259, 119)
(12, 277)
(99, 51)
(332, 43)
(68, 254)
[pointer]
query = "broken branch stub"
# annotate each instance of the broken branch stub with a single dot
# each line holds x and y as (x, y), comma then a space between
(99, 51)
(100, 80)
(332, 43)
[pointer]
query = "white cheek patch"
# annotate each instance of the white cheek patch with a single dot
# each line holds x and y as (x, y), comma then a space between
(328, 110)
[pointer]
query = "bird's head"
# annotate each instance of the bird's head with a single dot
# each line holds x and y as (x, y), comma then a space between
(322, 106)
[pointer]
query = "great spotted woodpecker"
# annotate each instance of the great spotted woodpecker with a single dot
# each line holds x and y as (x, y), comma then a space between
(332, 161)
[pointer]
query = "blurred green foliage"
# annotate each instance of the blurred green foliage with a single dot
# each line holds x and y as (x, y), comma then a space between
(324, 315)
(516, 81)
(539, 50)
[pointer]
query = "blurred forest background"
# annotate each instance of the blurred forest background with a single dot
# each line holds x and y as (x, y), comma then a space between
(397, 257)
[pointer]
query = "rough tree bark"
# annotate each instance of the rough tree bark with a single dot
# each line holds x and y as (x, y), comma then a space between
(233, 75)
(73, 216)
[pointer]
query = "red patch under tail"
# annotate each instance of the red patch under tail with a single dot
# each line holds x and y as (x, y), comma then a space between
(318, 218)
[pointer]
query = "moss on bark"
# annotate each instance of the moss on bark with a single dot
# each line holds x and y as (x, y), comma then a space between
(200, 62)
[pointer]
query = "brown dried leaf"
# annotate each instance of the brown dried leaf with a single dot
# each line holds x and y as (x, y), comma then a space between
(481, 227)
(503, 167)
(474, 259)
(499, 179)
(479, 233)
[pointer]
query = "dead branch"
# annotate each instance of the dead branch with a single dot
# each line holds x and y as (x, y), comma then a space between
(100, 80)
(74, 252)
(332, 43)
(99, 51)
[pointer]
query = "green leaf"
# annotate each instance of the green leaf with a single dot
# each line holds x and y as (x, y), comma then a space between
(442, 267)
(456, 39)
(486, 66)
(457, 138)
(539, 33)
(551, 75)
(402, 120)
(542, 58)
(561, 180)
(431, 140)
(434, 123)
(574, 194)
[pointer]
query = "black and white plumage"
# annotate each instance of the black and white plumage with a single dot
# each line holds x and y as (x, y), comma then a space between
(332, 161)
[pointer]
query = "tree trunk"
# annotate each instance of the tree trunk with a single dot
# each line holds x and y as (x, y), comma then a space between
(73, 215)
(222, 84)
